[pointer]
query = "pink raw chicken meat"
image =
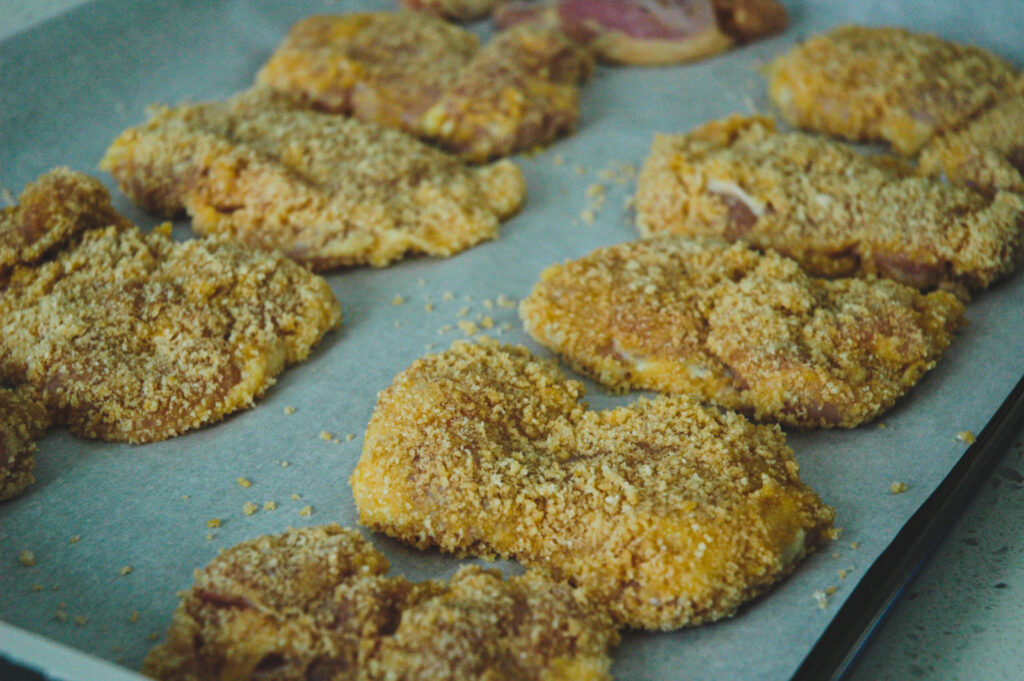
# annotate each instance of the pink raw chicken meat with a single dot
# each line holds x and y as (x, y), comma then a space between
(652, 31)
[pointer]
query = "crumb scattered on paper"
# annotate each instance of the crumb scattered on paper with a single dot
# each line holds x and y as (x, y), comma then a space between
(966, 436)
(898, 487)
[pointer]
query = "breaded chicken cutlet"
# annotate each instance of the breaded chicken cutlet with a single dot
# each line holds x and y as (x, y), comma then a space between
(836, 212)
(316, 603)
(416, 72)
(668, 513)
(22, 421)
(885, 84)
(326, 190)
(740, 329)
(133, 337)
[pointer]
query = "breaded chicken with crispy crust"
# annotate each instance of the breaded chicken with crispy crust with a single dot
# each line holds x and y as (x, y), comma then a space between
(741, 329)
(833, 210)
(128, 336)
(326, 190)
(418, 73)
(316, 603)
(669, 513)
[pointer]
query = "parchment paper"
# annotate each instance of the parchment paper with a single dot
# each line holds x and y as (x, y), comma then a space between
(69, 86)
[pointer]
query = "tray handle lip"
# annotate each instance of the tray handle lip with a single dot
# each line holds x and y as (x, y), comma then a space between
(837, 650)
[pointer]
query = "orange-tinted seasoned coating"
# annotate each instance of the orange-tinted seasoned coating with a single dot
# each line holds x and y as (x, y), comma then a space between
(885, 84)
(432, 79)
(129, 336)
(22, 421)
(740, 329)
(316, 603)
(518, 92)
(987, 152)
(668, 513)
(326, 190)
(836, 212)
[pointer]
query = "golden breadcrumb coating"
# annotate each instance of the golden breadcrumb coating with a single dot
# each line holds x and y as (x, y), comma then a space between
(60, 205)
(456, 10)
(315, 603)
(884, 83)
(326, 190)
(836, 212)
(740, 329)
(22, 421)
(986, 153)
(129, 336)
(667, 512)
(432, 79)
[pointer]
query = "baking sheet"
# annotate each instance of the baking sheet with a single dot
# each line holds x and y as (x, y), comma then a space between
(69, 86)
